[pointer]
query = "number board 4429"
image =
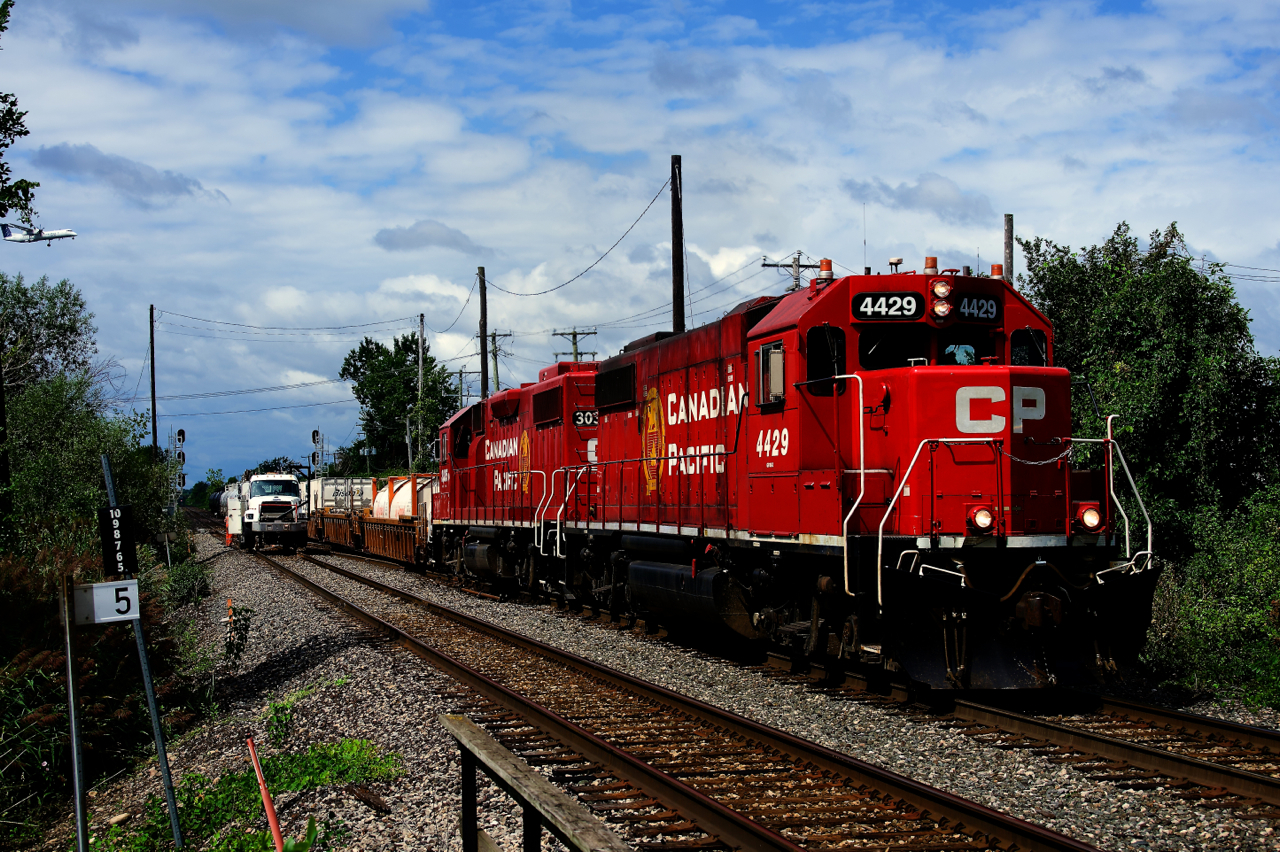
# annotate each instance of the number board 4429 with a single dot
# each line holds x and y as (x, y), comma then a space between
(885, 307)
(981, 308)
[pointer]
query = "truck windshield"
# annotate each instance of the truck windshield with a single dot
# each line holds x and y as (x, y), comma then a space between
(273, 488)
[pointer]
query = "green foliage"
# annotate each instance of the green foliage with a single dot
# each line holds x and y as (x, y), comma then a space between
(1217, 626)
(216, 812)
(216, 480)
(198, 496)
(1165, 345)
(58, 431)
(16, 196)
(279, 464)
(46, 330)
(385, 381)
(187, 583)
(279, 721)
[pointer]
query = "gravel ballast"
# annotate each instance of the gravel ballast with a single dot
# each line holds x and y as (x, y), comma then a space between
(371, 689)
(1015, 781)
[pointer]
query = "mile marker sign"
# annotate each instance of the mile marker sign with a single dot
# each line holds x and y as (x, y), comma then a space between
(102, 602)
(115, 529)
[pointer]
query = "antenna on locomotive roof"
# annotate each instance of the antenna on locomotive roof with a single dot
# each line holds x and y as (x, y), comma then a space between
(864, 233)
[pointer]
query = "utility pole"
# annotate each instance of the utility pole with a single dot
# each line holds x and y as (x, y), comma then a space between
(677, 247)
(484, 334)
(461, 373)
(493, 338)
(795, 266)
(155, 442)
(6, 501)
(573, 335)
(1008, 247)
(422, 336)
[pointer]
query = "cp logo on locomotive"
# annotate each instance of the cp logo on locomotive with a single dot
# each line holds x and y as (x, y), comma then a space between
(1028, 404)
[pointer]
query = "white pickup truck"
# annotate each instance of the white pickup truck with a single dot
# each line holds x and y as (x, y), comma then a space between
(269, 508)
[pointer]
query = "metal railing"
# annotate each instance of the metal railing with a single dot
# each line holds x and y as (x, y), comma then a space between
(542, 803)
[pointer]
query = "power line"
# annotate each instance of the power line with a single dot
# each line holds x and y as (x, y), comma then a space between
(214, 394)
(597, 260)
(474, 282)
(265, 333)
(288, 327)
(253, 410)
(317, 338)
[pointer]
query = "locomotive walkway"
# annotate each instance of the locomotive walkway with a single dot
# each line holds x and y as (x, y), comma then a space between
(679, 773)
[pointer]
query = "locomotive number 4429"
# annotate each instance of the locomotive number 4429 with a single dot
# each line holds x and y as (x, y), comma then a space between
(888, 306)
(773, 442)
(979, 308)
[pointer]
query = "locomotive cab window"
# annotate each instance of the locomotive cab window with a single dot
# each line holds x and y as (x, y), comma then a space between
(1028, 347)
(461, 441)
(824, 359)
(771, 363)
(888, 346)
(965, 346)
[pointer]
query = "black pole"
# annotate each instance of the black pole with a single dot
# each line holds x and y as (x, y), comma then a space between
(484, 342)
(6, 478)
(677, 247)
(148, 686)
(73, 716)
(155, 442)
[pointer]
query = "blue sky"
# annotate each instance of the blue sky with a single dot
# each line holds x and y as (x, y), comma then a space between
(281, 164)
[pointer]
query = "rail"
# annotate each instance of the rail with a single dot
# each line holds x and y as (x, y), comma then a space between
(541, 803)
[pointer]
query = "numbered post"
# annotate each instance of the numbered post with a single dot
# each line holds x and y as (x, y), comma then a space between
(115, 529)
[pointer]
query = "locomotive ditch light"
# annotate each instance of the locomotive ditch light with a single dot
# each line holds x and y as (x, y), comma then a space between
(982, 518)
(941, 288)
(1089, 517)
(941, 308)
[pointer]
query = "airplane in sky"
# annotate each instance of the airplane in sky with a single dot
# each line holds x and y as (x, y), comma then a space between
(21, 234)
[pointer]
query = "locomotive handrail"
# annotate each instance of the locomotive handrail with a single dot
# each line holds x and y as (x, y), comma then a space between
(888, 511)
(567, 494)
(862, 484)
(1113, 445)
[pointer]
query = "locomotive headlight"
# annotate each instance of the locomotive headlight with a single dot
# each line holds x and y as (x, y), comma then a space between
(941, 308)
(942, 289)
(982, 518)
(1091, 518)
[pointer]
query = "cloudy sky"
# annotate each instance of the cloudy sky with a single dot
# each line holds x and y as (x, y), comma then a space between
(272, 173)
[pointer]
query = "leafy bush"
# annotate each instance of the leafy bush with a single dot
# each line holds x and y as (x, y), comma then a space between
(1217, 625)
(188, 583)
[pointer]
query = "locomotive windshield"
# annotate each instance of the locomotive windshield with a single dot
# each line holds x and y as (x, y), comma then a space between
(273, 488)
(886, 347)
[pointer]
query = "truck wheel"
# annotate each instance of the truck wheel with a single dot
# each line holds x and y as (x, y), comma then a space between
(248, 540)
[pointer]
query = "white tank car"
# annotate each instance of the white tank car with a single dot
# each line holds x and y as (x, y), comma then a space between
(406, 496)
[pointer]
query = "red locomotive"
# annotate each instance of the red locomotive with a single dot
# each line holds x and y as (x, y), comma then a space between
(875, 469)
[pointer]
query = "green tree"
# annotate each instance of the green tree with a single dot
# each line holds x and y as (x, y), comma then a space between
(45, 330)
(385, 381)
(1165, 345)
(279, 464)
(16, 196)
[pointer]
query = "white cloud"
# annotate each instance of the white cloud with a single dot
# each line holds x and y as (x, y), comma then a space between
(544, 145)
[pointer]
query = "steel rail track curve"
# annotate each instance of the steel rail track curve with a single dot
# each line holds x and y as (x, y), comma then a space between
(985, 827)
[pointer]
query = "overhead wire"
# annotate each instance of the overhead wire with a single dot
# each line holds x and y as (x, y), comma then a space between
(597, 260)
(286, 327)
(254, 410)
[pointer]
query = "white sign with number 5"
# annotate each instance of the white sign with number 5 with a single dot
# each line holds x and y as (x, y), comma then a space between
(103, 602)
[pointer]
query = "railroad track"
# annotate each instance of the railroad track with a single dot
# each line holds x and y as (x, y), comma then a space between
(1227, 764)
(681, 774)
